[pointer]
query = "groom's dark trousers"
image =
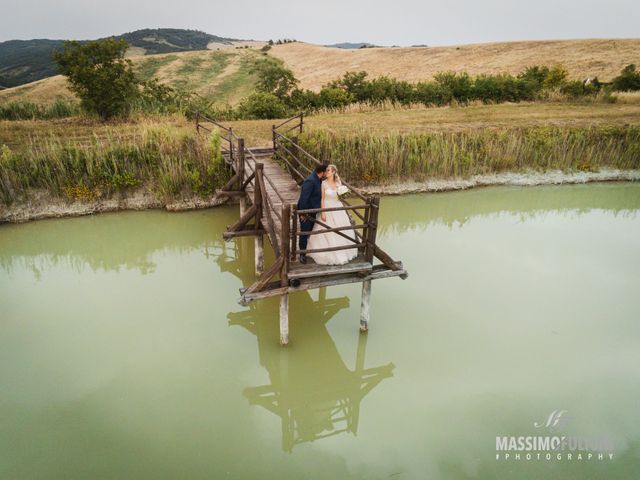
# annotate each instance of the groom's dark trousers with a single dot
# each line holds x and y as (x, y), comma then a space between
(310, 197)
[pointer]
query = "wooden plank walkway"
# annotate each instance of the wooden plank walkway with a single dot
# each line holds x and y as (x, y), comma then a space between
(260, 179)
(275, 176)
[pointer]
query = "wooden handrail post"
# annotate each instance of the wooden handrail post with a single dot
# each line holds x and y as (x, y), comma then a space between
(295, 153)
(284, 274)
(241, 160)
(231, 145)
(273, 137)
(285, 241)
(294, 231)
(197, 121)
(374, 207)
(257, 194)
(301, 120)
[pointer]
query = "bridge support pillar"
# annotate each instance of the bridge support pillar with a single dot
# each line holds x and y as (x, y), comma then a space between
(364, 305)
(243, 205)
(284, 319)
(259, 254)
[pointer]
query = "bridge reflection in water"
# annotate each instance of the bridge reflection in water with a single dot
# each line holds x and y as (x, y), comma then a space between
(311, 388)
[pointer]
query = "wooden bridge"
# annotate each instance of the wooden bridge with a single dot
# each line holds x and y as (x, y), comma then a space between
(267, 183)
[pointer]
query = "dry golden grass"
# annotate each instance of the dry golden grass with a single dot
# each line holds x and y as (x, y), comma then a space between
(456, 119)
(41, 91)
(17, 134)
(314, 65)
(628, 98)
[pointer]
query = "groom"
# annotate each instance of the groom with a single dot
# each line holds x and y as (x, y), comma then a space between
(310, 197)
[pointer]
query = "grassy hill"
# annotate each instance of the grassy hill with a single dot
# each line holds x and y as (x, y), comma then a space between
(223, 72)
(24, 61)
(223, 76)
(315, 65)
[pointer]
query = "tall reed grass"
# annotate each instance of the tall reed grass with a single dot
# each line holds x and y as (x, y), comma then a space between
(22, 110)
(365, 157)
(167, 163)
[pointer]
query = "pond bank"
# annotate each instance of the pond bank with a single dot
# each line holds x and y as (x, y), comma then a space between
(523, 179)
(41, 205)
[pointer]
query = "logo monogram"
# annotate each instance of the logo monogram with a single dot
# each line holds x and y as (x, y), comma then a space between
(557, 418)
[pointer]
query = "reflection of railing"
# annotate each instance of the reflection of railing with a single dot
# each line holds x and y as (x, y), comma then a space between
(314, 391)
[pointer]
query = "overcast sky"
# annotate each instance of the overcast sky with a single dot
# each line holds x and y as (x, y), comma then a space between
(388, 22)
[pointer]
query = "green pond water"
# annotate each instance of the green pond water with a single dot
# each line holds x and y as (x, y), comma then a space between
(123, 352)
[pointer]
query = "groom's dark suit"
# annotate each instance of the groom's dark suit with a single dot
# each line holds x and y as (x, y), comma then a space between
(310, 197)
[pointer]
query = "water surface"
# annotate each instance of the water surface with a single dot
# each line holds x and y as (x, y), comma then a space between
(123, 352)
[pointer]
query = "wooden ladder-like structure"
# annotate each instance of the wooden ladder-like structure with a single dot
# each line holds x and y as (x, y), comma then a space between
(267, 183)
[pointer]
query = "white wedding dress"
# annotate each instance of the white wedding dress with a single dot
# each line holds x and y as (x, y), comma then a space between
(339, 218)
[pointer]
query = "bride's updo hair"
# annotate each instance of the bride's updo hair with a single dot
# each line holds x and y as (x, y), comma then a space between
(335, 173)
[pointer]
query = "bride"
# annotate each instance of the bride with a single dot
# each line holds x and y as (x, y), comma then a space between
(337, 218)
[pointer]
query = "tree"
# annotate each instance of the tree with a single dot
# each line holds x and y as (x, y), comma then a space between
(99, 74)
(629, 79)
(274, 78)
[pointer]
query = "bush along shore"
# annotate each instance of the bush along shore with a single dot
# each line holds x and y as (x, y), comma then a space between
(153, 168)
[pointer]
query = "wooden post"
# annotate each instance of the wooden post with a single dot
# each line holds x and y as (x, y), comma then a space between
(284, 278)
(294, 231)
(295, 161)
(257, 194)
(240, 166)
(301, 120)
(259, 254)
(243, 205)
(257, 201)
(374, 207)
(284, 319)
(273, 137)
(364, 305)
(231, 146)
(197, 122)
(285, 241)
(372, 220)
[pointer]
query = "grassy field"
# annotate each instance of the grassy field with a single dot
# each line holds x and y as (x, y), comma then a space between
(20, 134)
(315, 65)
(455, 119)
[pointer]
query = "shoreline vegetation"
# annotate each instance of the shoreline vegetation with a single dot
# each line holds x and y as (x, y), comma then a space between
(162, 163)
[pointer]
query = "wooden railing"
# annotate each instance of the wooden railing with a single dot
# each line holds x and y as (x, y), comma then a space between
(300, 164)
(227, 137)
(269, 206)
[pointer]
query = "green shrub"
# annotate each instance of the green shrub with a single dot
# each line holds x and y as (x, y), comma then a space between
(262, 105)
(331, 97)
(628, 80)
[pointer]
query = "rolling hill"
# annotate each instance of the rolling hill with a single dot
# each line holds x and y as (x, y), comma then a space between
(24, 61)
(315, 65)
(224, 73)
